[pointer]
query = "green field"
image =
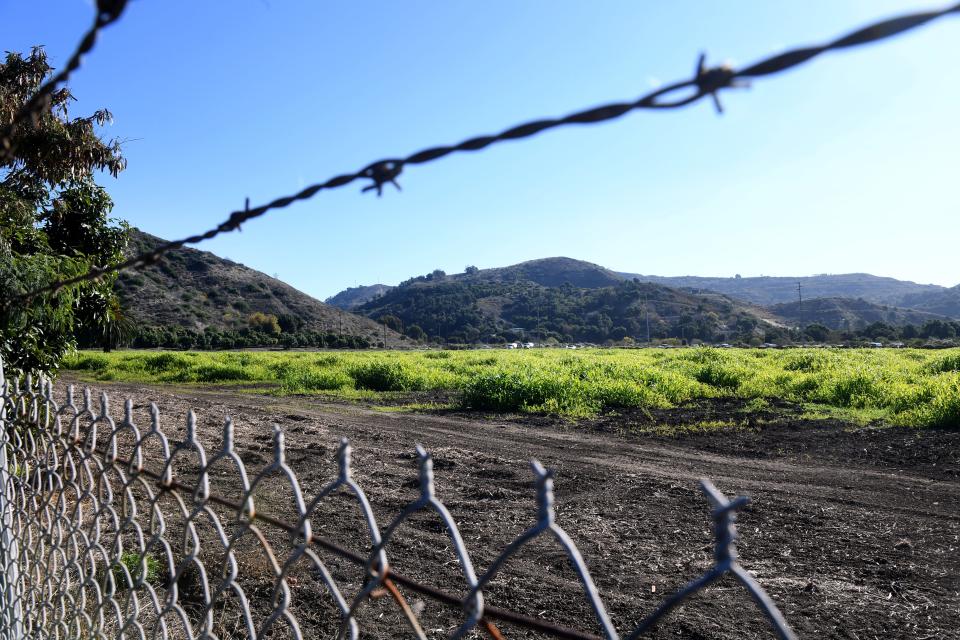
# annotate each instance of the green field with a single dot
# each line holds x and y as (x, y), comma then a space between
(900, 387)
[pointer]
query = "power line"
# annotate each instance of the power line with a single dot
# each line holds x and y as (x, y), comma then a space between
(707, 81)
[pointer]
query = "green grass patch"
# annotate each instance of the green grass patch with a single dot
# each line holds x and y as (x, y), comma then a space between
(138, 566)
(895, 386)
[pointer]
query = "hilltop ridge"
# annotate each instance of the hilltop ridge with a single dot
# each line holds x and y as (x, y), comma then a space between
(574, 300)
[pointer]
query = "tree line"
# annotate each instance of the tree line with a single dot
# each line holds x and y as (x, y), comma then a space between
(176, 337)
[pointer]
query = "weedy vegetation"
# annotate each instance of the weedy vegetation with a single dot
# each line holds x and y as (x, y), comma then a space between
(898, 387)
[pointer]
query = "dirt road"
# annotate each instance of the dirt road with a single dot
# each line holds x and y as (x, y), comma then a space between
(854, 533)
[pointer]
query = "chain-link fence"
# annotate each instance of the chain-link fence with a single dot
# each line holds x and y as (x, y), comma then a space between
(113, 529)
(110, 528)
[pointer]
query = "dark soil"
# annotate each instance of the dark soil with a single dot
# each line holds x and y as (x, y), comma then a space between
(853, 531)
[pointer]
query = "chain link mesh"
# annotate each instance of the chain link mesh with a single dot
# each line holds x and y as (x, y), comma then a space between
(114, 529)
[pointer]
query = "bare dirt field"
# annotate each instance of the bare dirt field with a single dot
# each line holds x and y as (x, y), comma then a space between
(854, 532)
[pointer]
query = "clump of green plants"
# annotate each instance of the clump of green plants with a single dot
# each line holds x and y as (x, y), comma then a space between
(385, 376)
(718, 375)
(302, 379)
(166, 362)
(527, 390)
(141, 568)
(947, 363)
(86, 362)
(806, 361)
(942, 410)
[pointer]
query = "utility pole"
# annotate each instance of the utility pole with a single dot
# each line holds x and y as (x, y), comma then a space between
(340, 316)
(646, 312)
(800, 297)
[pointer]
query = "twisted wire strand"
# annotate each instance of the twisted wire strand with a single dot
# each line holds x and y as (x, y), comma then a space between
(707, 81)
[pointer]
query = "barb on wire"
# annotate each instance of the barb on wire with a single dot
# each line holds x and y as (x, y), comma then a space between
(707, 81)
(108, 12)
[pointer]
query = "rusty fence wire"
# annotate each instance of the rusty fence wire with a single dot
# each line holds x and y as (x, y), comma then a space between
(706, 81)
(110, 528)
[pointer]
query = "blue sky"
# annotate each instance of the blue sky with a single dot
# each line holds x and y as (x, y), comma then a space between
(848, 163)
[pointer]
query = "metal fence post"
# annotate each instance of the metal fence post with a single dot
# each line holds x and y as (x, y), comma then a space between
(10, 605)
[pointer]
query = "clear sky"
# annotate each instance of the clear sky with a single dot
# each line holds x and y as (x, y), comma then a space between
(848, 163)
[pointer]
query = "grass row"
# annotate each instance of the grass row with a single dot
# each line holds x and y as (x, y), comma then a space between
(906, 387)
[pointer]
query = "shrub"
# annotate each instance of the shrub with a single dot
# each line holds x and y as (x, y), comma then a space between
(623, 394)
(165, 362)
(263, 322)
(87, 363)
(717, 375)
(525, 391)
(305, 378)
(805, 361)
(853, 390)
(219, 372)
(385, 376)
(945, 364)
(942, 410)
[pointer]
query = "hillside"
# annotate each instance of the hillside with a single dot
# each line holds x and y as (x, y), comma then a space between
(765, 290)
(945, 302)
(508, 304)
(197, 289)
(848, 314)
(762, 290)
(552, 272)
(548, 272)
(572, 300)
(352, 297)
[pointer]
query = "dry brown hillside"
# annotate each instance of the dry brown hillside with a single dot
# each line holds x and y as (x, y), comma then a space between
(197, 289)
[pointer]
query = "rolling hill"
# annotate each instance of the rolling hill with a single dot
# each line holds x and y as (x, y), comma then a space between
(573, 300)
(847, 314)
(766, 290)
(551, 272)
(197, 289)
(559, 298)
(945, 302)
(547, 272)
(352, 297)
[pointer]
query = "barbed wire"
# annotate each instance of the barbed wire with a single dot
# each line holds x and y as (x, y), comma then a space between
(77, 502)
(108, 12)
(707, 81)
